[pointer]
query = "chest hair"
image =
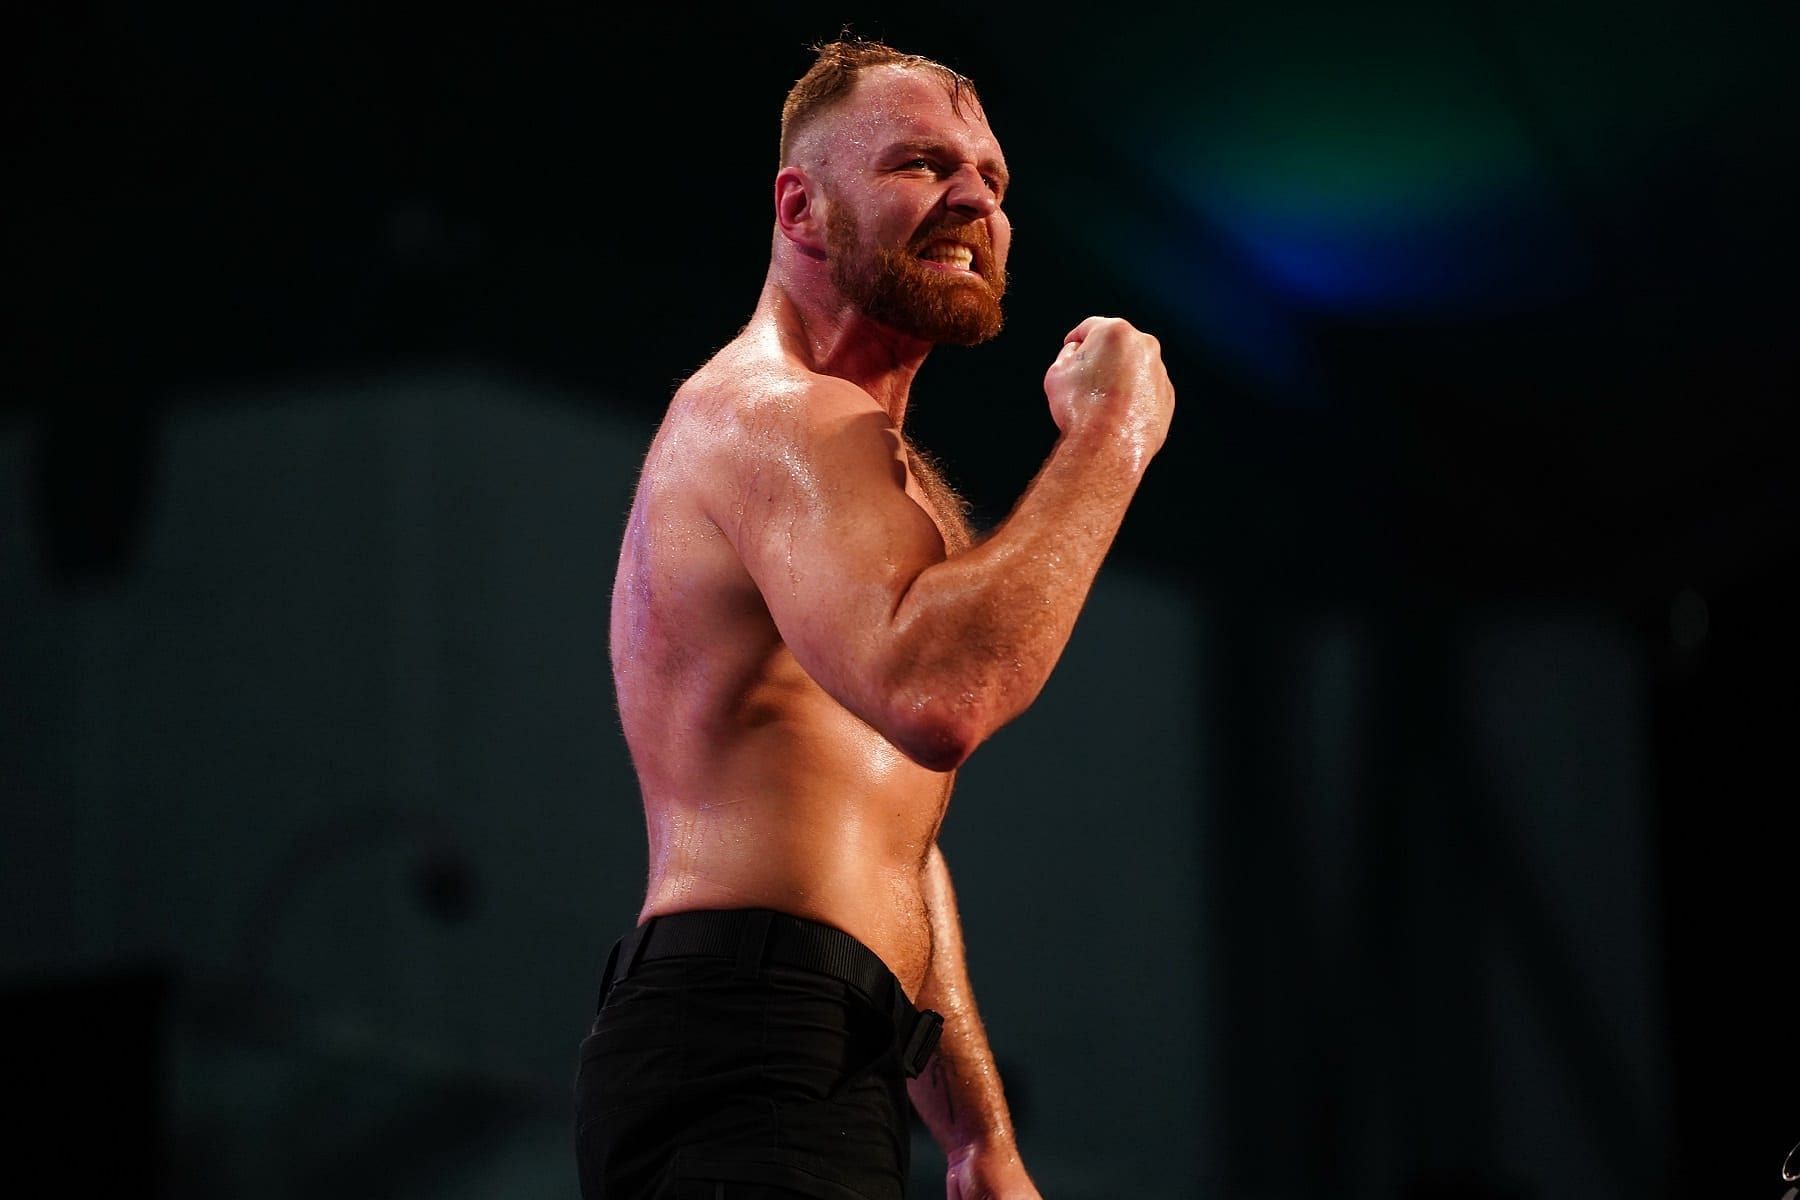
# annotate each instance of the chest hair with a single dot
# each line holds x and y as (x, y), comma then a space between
(949, 510)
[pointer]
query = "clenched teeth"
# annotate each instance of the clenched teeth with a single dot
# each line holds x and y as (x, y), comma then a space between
(950, 253)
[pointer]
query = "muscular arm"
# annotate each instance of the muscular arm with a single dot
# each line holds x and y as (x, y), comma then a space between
(959, 1094)
(934, 651)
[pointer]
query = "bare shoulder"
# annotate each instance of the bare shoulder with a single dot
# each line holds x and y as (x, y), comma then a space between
(754, 422)
(754, 393)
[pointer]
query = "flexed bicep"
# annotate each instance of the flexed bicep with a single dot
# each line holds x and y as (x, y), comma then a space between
(813, 496)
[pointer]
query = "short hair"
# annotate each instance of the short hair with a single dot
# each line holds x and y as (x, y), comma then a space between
(835, 71)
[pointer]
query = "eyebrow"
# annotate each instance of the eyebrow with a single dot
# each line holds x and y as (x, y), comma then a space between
(925, 147)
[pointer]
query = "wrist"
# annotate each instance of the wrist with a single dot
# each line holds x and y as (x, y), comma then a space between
(1123, 446)
(991, 1172)
(995, 1144)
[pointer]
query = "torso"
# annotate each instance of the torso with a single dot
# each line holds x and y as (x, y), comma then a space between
(759, 789)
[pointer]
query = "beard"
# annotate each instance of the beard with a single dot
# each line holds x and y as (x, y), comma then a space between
(891, 285)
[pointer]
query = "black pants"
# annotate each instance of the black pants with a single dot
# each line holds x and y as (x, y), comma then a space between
(703, 1080)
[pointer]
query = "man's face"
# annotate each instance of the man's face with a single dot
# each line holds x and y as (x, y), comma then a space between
(914, 232)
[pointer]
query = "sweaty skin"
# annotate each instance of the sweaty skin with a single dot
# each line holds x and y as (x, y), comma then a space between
(806, 642)
(760, 789)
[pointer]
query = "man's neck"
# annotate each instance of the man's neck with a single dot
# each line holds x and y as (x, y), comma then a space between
(817, 326)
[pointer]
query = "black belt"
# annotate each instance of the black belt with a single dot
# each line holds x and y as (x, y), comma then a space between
(759, 937)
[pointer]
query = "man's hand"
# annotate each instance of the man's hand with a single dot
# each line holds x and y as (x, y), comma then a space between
(1109, 377)
(977, 1174)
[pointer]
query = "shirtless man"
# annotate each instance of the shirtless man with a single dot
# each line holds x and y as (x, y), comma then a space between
(807, 643)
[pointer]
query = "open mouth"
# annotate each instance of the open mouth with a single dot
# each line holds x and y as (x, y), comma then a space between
(949, 255)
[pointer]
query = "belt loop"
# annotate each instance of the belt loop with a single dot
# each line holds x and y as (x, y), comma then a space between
(921, 1042)
(632, 945)
(606, 976)
(752, 940)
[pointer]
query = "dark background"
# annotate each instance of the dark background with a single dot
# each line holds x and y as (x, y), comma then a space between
(1480, 321)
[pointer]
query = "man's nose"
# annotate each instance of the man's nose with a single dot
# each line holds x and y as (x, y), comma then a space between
(970, 194)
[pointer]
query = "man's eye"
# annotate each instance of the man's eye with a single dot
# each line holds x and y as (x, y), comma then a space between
(916, 162)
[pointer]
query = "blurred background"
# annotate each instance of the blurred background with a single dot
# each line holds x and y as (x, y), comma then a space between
(1413, 814)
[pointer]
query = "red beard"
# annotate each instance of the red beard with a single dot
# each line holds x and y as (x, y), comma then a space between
(892, 286)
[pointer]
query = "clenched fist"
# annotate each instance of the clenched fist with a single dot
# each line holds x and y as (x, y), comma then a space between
(1110, 377)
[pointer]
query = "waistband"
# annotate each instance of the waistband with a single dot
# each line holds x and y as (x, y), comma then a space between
(754, 938)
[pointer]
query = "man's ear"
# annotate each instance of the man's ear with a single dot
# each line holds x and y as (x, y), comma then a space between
(799, 211)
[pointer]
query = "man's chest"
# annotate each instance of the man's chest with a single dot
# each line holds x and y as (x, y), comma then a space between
(932, 492)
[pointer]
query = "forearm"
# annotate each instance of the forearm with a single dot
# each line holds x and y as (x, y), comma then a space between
(980, 632)
(959, 1095)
